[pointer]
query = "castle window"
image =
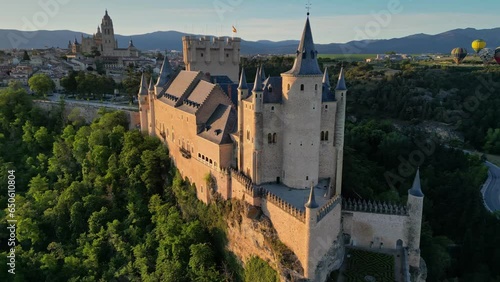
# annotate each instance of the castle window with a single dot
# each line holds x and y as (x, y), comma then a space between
(210, 161)
(269, 138)
(326, 136)
(322, 136)
(326, 106)
(215, 164)
(270, 89)
(288, 87)
(272, 108)
(227, 55)
(316, 87)
(307, 177)
(302, 87)
(199, 155)
(275, 138)
(248, 134)
(202, 55)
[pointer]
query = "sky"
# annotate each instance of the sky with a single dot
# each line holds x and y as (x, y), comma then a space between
(332, 21)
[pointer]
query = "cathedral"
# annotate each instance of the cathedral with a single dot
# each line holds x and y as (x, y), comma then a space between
(277, 144)
(103, 42)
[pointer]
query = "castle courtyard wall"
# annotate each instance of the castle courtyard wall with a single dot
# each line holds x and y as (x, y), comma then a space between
(365, 228)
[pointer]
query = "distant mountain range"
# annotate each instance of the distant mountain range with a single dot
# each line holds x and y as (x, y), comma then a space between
(413, 44)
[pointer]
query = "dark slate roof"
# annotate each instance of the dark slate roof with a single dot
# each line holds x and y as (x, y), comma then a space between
(257, 86)
(166, 73)
(306, 62)
(311, 204)
(220, 79)
(220, 125)
(328, 95)
(143, 88)
(262, 74)
(273, 91)
(231, 90)
(341, 83)
(416, 189)
(243, 80)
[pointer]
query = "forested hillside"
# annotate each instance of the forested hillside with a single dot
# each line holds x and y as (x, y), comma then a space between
(100, 203)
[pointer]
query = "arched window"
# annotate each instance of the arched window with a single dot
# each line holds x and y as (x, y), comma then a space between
(316, 87)
(322, 136)
(288, 88)
(269, 138)
(248, 134)
(302, 87)
(272, 108)
(275, 138)
(202, 55)
(326, 136)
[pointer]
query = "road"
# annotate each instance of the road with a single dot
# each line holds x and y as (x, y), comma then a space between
(56, 97)
(491, 190)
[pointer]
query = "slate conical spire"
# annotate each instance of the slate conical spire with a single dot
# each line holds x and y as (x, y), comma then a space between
(257, 87)
(326, 79)
(262, 73)
(416, 189)
(341, 83)
(243, 80)
(143, 89)
(165, 73)
(311, 204)
(151, 85)
(306, 61)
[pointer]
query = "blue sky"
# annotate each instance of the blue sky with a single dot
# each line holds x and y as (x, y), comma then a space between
(331, 20)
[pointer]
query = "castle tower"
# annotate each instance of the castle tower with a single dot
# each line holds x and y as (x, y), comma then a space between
(341, 97)
(311, 221)
(217, 55)
(143, 104)
(257, 126)
(302, 99)
(242, 94)
(108, 35)
(415, 210)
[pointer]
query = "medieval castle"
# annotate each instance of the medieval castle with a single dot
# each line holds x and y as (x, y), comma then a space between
(277, 144)
(103, 42)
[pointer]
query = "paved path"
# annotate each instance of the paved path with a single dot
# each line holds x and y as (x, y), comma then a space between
(491, 188)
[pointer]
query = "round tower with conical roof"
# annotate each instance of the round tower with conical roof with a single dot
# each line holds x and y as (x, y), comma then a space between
(415, 210)
(302, 97)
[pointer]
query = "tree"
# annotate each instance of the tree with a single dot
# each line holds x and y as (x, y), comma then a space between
(492, 145)
(69, 82)
(41, 84)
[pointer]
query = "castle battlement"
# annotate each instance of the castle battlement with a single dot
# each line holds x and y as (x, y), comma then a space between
(202, 42)
(374, 207)
(282, 204)
(328, 207)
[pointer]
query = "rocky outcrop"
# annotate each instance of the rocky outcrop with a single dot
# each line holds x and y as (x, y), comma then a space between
(420, 274)
(251, 233)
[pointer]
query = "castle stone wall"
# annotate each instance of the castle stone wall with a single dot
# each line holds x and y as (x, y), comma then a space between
(372, 229)
(327, 160)
(290, 229)
(326, 248)
(272, 152)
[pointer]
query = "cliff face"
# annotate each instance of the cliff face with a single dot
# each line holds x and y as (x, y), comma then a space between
(250, 233)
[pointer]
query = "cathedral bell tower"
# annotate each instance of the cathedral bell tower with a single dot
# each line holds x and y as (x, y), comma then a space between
(108, 35)
(302, 98)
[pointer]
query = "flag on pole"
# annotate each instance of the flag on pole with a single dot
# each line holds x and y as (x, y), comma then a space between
(234, 30)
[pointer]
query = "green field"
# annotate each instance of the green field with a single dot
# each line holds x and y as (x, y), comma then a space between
(348, 57)
(362, 263)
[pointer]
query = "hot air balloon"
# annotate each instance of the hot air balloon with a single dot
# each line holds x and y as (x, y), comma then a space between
(497, 55)
(478, 45)
(486, 55)
(458, 55)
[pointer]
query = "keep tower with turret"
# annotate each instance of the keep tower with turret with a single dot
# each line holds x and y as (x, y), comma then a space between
(291, 127)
